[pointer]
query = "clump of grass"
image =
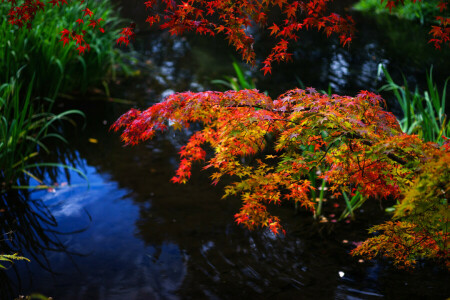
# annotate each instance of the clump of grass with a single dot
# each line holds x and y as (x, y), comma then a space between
(424, 11)
(23, 131)
(240, 82)
(423, 113)
(47, 69)
(57, 68)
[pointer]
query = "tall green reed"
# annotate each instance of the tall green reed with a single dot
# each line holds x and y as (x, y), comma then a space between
(240, 82)
(423, 113)
(24, 128)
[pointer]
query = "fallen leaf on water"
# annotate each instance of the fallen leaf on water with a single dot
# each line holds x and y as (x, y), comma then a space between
(323, 220)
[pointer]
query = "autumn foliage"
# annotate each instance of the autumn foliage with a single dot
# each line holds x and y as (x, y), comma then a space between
(356, 144)
(420, 228)
(237, 20)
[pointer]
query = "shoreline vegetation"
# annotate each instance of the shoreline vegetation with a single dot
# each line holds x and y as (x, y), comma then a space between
(35, 70)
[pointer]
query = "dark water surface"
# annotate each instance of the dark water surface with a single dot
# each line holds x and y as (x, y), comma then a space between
(132, 234)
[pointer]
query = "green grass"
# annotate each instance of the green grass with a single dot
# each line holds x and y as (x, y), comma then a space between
(35, 68)
(423, 10)
(57, 68)
(423, 112)
(24, 129)
(240, 82)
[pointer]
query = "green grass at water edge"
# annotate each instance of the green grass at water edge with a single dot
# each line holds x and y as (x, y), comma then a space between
(57, 68)
(423, 112)
(23, 131)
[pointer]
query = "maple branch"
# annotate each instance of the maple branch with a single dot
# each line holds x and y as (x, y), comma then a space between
(348, 135)
(368, 143)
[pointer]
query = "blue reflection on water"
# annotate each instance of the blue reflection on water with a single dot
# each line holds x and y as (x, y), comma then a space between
(110, 261)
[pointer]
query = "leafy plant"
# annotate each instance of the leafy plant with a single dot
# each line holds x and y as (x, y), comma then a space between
(424, 11)
(352, 204)
(235, 19)
(365, 153)
(423, 114)
(23, 130)
(420, 225)
(240, 82)
(10, 258)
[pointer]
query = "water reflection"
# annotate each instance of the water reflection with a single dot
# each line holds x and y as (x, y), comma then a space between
(27, 227)
(147, 238)
(339, 71)
(112, 262)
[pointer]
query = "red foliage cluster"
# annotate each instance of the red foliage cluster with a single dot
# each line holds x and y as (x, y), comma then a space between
(83, 46)
(235, 20)
(23, 14)
(355, 143)
(126, 34)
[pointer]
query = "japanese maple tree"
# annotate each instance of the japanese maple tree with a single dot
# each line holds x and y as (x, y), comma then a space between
(358, 146)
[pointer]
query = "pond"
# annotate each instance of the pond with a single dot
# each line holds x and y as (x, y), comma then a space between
(129, 233)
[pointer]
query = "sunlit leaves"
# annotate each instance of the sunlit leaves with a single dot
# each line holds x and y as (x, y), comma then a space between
(404, 243)
(270, 146)
(423, 231)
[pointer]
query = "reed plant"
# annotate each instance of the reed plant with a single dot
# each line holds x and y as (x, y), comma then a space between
(24, 129)
(240, 82)
(423, 112)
